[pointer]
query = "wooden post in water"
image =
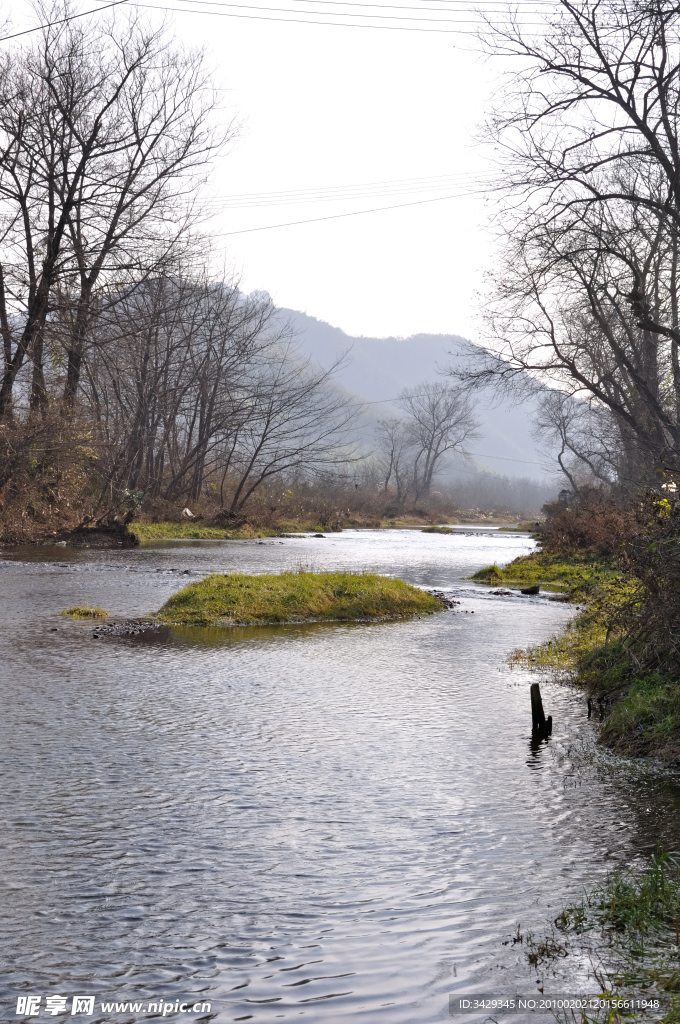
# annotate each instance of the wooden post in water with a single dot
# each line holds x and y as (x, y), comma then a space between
(540, 726)
(537, 713)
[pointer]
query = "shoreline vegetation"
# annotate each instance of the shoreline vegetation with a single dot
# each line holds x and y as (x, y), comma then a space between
(290, 597)
(620, 563)
(629, 930)
(133, 532)
(640, 711)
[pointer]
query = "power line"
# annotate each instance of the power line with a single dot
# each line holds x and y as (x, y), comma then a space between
(353, 3)
(60, 21)
(360, 185)
(502, 458)
(353, 213)
(335, 14)
(481, 455)
(529, 4)
(236, 203)
(305, 21)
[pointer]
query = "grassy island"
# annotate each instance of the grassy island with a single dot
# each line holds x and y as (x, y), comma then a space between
(237, 599)
(77, 611)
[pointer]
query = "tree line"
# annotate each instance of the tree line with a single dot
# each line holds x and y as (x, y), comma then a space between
(129, 370)
(582, 305)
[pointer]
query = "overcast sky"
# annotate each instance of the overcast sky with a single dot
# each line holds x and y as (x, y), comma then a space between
(326, 107)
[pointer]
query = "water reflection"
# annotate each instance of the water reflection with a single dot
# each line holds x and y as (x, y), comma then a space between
(323, 821)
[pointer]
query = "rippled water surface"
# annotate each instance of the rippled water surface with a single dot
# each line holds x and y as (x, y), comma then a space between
(326, 822)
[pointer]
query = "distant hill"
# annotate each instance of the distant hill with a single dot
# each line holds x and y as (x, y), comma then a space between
(378, 369)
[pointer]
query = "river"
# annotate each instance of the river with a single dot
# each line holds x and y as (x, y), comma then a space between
(315, 822)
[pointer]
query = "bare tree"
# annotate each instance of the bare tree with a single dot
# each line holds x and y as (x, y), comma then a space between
(440, 419)
(582, 436)
(585, 296)
(193, 383)
(394, 457)
(170, 376)
(298, 421)
(104, 135)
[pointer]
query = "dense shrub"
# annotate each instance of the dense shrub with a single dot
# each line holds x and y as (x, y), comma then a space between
(593, 521)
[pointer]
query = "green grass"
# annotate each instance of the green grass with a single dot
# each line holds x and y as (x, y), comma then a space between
(437, 529)
(197, 531)
(576, 575)
(184, 531)
(629, 926)
(525, 527)
(646, 717)
(597, 651)
(295, 597)
(77, 611)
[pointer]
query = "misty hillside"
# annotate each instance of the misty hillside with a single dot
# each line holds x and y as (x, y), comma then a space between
(378, 369)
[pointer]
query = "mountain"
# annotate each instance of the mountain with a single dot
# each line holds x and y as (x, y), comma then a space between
(378, 369)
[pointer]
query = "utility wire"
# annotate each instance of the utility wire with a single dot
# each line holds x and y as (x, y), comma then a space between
(353, 213)
(397, 7)
(307, 21)
(516, 5)
(60, 21)
(502, 458)
(361, 185)
(235, 203)
(335, 14)
(481, 455)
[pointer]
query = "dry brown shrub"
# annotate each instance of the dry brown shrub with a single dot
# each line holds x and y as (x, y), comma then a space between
(593, 521)
(47, 472)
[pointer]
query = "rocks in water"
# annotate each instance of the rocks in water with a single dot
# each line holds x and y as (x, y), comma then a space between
(501, 593)
(443, 599)
(531, 590)
(129, 628)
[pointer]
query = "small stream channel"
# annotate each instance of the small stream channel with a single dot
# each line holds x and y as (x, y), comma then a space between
(316, 823)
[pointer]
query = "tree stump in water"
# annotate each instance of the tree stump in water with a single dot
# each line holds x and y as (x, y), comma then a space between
(539, 725)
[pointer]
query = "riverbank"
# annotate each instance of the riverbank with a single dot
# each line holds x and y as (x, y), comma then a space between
(601, 648)
(208, 528)
(191, 529)
(629, 930)
(576, 575)
(238, 599)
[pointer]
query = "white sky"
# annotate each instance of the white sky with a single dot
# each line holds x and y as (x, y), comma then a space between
(324, 106)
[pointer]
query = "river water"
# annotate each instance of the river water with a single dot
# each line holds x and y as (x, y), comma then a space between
(316, 822)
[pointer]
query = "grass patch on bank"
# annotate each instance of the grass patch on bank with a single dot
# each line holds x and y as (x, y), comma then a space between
(629, 925)
(642, 711)
(192, 531)
(198, 531)
(295, 597)
(645, 717)
(597, 651)
(77, 611)
(594, 633)
(523, 527)
(437, 529)
(578, 575)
